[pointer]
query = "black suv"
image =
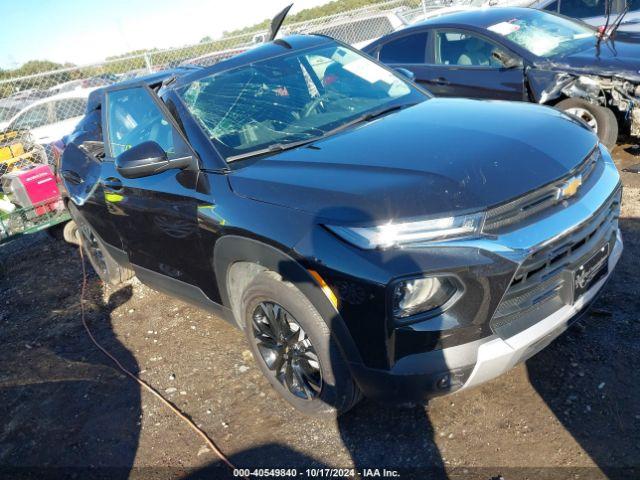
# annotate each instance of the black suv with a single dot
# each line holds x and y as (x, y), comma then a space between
(367, 238)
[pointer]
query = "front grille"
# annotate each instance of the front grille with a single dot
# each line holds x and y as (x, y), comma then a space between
(508, 214)
(544, 281)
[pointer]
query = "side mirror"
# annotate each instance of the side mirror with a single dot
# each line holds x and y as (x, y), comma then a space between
(406, 73)
(507, 61)
(148, 158)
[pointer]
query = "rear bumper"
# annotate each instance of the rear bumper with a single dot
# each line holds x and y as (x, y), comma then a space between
(464, 366)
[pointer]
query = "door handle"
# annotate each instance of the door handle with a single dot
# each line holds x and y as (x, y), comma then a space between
(112, 184)
(441, 81)
(72, 177)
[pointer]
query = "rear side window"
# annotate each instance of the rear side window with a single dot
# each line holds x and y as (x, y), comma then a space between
(582, 8)
(409, 49)
(134, 117)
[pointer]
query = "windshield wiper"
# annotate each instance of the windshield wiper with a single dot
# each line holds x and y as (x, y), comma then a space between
(273, 148)
(601, 34)
(383, 111)
(366, 117)
(281, 147)
(618, 21)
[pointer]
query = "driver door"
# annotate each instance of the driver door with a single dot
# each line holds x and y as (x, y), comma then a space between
(156, 215)
(462, 65)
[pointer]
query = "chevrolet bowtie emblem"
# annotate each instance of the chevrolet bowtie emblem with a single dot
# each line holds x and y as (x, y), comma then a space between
(570, 188)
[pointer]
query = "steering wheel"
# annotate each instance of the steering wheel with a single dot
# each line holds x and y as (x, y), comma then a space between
(317, 102)
(313, 105)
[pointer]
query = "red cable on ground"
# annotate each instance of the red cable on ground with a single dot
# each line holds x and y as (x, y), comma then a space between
(141, 382)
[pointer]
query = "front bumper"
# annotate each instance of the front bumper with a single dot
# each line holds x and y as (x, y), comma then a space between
(497, 355)
(464, 366)
(522, 327)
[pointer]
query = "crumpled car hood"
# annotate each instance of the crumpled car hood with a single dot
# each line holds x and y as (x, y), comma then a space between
(619, 59)
(441, 156)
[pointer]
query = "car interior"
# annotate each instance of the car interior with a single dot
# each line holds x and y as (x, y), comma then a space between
(294, 97)
(454, 48)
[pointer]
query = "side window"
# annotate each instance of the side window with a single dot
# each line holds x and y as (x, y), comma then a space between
(69, 108)
(133, 118)
(582, 8)
(35, 117)
(464, 49)
(409, 49)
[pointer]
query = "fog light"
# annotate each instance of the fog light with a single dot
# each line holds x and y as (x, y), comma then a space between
(420, 295)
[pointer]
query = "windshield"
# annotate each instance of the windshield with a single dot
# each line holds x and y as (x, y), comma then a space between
(292, 98)
(546, 35)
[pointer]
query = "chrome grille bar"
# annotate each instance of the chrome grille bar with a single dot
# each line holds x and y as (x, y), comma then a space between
(518, 210)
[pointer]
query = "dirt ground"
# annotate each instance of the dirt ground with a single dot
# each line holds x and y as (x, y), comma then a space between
(572, 411)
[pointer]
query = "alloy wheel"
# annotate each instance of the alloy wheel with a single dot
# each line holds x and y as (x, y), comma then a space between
(286, 350)
(586, 116)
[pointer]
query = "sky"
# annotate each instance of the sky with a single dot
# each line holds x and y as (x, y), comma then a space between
(87, 31)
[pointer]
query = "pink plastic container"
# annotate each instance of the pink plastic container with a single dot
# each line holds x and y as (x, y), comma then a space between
(34, 187)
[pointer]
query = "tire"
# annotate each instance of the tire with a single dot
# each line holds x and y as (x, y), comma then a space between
(102, 262)
(330, 394)
(71, 234)
(601, 119)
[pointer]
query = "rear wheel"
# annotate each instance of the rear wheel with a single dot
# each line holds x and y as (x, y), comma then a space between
(294, 349)
(601, 119)
(102, 262)
(70, 233)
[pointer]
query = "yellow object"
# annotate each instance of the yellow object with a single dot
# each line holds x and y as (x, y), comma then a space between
(17, 151)
(11, 151)
(5, 153)
(113, 197)
(325, 288)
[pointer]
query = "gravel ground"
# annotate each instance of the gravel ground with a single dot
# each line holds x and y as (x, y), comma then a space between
(572, 411)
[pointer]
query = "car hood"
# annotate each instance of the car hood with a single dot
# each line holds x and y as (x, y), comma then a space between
(620, 59)
(440, 156)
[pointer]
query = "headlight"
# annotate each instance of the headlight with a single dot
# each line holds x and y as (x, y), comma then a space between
(395, 234)
(420, 295)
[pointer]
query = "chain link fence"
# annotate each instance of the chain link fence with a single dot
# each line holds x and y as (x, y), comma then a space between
(37, 111)
(39, 102)
(46, 106)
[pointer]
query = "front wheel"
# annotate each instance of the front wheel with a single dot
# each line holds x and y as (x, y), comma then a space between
(601, 119)
(294, 348)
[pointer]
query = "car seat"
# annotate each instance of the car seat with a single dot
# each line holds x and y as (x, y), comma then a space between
(475, 53)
